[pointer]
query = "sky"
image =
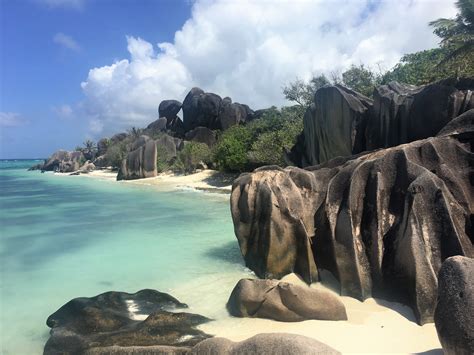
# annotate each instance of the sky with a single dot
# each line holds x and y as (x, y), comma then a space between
(72, 70)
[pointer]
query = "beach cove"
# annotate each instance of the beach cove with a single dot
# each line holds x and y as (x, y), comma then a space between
(70, 236)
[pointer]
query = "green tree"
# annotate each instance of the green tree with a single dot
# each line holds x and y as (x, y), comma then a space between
(457, 34)
(361, 79)
(192, 155)
(302, 92)
(230, 152)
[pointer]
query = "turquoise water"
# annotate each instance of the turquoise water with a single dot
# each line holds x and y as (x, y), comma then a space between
(65, 236)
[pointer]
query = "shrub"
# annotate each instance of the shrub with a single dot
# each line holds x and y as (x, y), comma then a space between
(230, 152)
(163, 159)
(116, 153)
(191, 155)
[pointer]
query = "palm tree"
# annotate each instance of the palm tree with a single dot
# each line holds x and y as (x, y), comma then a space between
(457, 34)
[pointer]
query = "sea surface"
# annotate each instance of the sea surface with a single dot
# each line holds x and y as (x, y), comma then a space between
(63, 237)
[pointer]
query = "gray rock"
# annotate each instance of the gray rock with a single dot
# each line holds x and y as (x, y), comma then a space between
(169, 109)
(202, 135)
(405, 113)
(382, 222)
(64, 162)
(264, 344)
(159, 125)
(230, 115)
(454, 314)
(109, 321)
(137, 350)
(118, 137)
(87, 167)
(140, 162)
(283, 301)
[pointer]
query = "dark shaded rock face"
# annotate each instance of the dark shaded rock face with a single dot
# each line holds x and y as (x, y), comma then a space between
(110, 319)
(64, 162)
(169, 109)
(341, 122)
(404, 113)
(334, 125)
(454, 314)
(283, 301)
(201, 109)
(202, 135)
(381, 222)
(118, 137)
(265, 343)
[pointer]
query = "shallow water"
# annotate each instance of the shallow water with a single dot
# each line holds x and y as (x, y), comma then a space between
(63, 237)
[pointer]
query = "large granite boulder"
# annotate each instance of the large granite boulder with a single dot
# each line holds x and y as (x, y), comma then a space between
(341, 122)
(283, 301)
(64, 161)
(202, 109)
(264, 344)
(405, 113)
(159, 125)
(121, 319)
(202, 135)
(118, 137)
(381, 222)
(454, 314)
(169, 109)
(140, 161)
(334, 124)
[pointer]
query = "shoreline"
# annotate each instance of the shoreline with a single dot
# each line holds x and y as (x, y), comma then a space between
(211, 181)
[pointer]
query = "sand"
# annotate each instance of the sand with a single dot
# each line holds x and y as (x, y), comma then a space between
(205, 180)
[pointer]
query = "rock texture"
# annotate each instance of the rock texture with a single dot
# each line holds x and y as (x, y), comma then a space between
(381, 222)
(264, 344)
(341, 122)
(283, 301)
(64, 162)
(112, 319)
(201, 109)
(405, 113)
(454, 314)
(140, 161)
(202, 135)
(169, 109)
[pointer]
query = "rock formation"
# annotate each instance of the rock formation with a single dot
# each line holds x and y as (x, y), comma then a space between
(123, 320)
(202, 135)
(454, 314)
(381, 222)
(341, 122)
(64, 162)
(169, 109)
(283, 301)
(266, 343)
(140, 161)
(201, 109)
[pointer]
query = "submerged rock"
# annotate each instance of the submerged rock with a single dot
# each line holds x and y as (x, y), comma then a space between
(283, 301)
(454, 314)
(381, 222)
(265, 343)
(121, 319)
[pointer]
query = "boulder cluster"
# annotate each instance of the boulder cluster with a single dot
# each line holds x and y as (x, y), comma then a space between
(342, 122)
(382, 221)
(203, 115)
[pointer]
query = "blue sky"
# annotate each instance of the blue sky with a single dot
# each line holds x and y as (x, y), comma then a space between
(78, 69)
(41, 70)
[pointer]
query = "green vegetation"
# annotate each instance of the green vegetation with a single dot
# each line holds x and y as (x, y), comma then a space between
(261, 142)
(192, 156)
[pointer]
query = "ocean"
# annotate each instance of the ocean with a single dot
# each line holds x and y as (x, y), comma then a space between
(63, 237)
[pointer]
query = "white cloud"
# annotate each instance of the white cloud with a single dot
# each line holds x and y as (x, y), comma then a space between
(11, 119)
(66, 42)
(249, 49)
(72, 4)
